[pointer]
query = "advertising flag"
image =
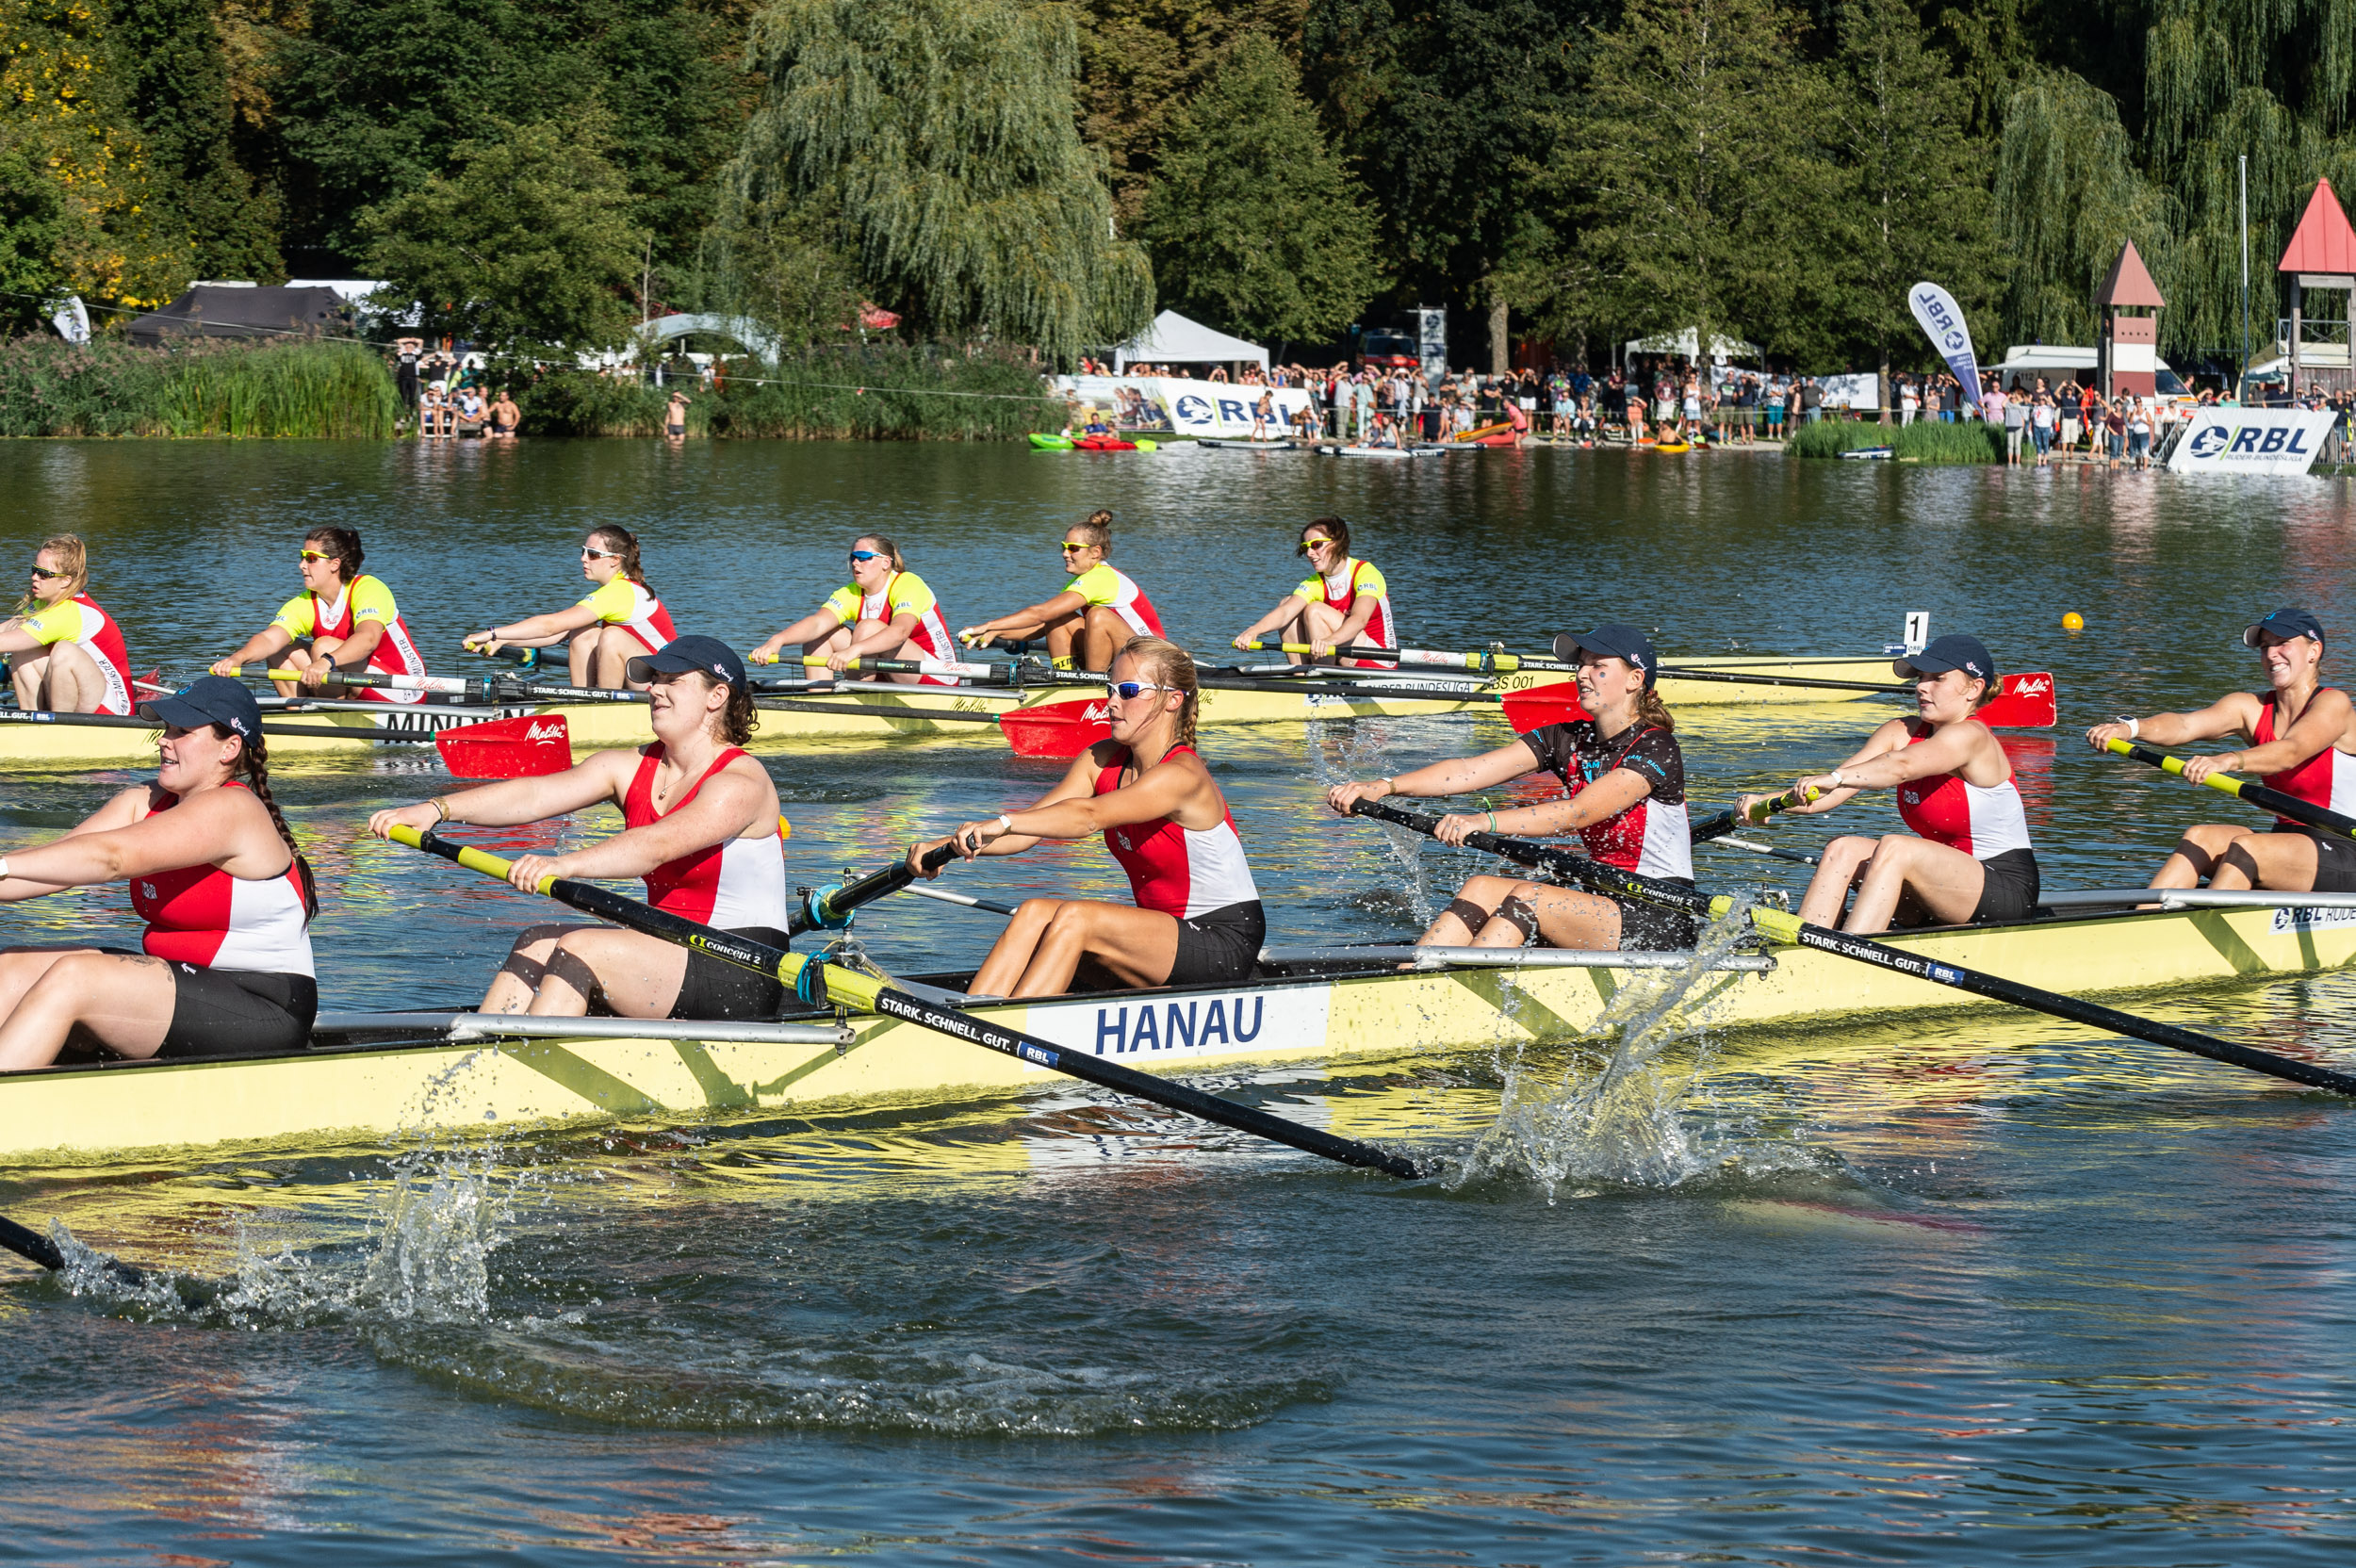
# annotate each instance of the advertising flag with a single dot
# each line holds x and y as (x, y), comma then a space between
(1942, 319)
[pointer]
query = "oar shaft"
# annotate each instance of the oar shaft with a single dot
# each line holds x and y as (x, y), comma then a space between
(31, 1246)
(2250, 794)
(1435, 658)
(908, 666)
(1614, 882)
(119, 721)
(865, 992)
(830, 909)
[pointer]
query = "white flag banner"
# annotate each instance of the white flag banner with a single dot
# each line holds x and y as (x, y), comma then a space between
(1941, 318)
(72, 322)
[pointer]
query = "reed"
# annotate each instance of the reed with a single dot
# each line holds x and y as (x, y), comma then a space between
(206, 387)
(1968, 441)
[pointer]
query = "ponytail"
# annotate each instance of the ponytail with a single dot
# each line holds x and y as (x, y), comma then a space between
(75, 557)
(1172, 667)
(342, 546)
(1653, 712)
(254, 767)
(625, 544)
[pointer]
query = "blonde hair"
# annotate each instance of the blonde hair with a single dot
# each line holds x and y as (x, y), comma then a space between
(1172, 669)
(885, 547)
(75, 557)
(1096, 530)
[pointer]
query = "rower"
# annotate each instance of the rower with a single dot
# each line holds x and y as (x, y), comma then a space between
(1197, 919)
(66, 655)
(1344, 603)
(1623, 775)
(225, 964)
(616, 622)
(2302, 741)
(700, 824)
(884, 611)
(342, 620)
(1099, 611)
(1973, 862)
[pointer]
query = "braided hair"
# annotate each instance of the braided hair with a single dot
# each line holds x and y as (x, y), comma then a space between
(252, 766)
(624, 544)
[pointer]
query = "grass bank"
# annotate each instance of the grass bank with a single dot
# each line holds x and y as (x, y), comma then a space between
(875, 395)
(203, 387)
(1972, 442)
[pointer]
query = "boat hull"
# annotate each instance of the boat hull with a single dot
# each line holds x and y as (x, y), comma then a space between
(347, 1091)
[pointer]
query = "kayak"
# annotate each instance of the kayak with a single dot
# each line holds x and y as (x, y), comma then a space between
(1673, 445)
(1050, 443)
(1102, 444)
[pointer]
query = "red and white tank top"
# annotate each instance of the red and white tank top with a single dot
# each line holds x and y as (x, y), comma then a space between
(1354, 577)
(204, 916)
(79, 621)
(395, 652)
(1982, 821)
(2326, 779)
(1179, 871)
(732, 885)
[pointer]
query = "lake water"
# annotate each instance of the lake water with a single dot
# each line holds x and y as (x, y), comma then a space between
(1966, 1291)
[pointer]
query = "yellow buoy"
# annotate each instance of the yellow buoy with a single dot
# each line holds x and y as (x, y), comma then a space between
(2074, 622)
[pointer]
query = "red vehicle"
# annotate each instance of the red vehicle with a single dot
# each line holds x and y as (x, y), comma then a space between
(1387, 350)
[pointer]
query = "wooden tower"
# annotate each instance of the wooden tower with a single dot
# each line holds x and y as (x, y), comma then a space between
(2321, 255)
(2128, 355)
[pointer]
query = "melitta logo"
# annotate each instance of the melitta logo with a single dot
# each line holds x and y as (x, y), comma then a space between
(2034, 686)
(545, 732)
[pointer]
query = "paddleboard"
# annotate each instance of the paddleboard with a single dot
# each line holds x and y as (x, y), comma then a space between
(1235, 444)
(1869, 454)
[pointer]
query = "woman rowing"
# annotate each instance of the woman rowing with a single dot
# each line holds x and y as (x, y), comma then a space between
(1099, 611)
(1623, 774)
(225, 964)
(2302, 738)
(884, 611)
(65, 654)
(1197, 919)
(699, 819)
(1968, 858)
(612, 624)
(1345, 603)
(342, 620)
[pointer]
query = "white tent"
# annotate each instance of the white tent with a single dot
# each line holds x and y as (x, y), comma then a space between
(1722, 350)
(1173, 340)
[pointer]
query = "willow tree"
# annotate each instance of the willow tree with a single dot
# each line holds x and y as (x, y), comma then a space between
(2068, 196)
(2274, 80)
(943, 133)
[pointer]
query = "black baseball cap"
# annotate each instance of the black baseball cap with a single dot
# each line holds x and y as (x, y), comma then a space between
(1953, 651)
(682, 654)
(208, 699)
(1619, 641)
(2285, 623)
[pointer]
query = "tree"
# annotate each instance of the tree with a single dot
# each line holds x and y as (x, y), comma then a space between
(1913, 188)
(525, 244)
(1252, 221)
(944, 132)
(1442, 107)
(34, 222)
(1692, 168)
(169, 68)
(2068, 196)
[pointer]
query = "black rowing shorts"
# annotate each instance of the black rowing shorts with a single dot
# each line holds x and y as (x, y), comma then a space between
(218, 1012)
(1219, 946)
(716, 990)
(2008, 887)
(2335, 858)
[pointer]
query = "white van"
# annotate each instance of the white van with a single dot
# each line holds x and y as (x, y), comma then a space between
(2055, 363)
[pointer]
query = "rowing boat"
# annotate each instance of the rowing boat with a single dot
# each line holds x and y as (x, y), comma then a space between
(371, 1076)
(880, 711)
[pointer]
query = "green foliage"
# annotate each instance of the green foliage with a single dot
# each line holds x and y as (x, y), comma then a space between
(1966, 441)
(527, 243)
(169, 68)
(1690, 168)
(34, 222)
(2068, 196)
(873, 394)
(203, 387)
(942, 131)
(787, 263)
(1254, 225)
(1912, 199)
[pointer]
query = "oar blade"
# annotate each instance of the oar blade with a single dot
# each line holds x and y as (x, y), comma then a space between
(1055, 728)
(2025, 702)
(1540, 706)
(530, 746)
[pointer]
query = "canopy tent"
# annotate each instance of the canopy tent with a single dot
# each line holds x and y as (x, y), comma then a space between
(1174, 340)
(1722, 350)
(228, 310)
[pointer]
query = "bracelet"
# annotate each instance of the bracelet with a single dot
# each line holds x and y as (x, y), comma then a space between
(2135, 727)
(1838, 782)
(1493, 823)
(1389, 786)
(1006, 822)
(441, 811)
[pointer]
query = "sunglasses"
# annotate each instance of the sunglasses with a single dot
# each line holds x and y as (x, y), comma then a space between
(857, 556)
(1315, 543)
(44, 572)
(1129, 691)
(611, 555)
(1068, 546)
(317, 555)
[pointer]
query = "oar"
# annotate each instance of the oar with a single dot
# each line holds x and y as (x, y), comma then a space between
(830, 909)
(1482, 661)
(501, 748)
(1780, 927)
(904, 666)
(37, 1248)
(1069, 728)
(822, 984)
(1726, 822)
(2242, 790)
(2024, 701)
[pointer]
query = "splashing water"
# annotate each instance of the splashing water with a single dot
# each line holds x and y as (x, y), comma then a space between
(1623, 1126)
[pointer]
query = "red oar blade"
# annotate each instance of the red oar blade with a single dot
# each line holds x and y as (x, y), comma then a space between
(2025, 702)
(1055, 728)
(1539, 706)
(523, 747)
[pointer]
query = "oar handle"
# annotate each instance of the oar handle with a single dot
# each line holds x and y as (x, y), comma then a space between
(821, 984)
(1726, 822)
(2242, 790)
(830, 909)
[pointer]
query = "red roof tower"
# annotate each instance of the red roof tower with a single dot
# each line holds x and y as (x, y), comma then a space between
(2321, 255)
